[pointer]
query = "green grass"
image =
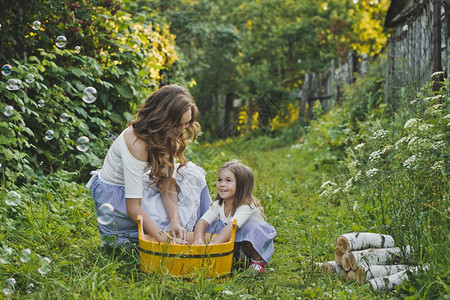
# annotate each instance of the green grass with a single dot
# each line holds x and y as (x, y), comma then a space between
(55, 219)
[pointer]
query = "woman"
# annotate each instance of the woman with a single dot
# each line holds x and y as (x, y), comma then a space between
(149, 145)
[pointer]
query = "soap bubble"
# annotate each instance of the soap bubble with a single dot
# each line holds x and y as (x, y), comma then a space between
(104, 214)
(29, 78)
(61, 41)
(6, 255)
(41, 103)
(7, 291)
(13, 84)
(77, 49)
(82, 143)
(89, 94)
(9, 111)
(49, 135)
(63, 117)
(11, 282)
(13, 198)
(6, 70)
(45, 265)
(36, 25)
(25, 255)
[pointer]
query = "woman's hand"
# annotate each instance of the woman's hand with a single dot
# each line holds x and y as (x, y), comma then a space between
(179, 241)
(177, 231)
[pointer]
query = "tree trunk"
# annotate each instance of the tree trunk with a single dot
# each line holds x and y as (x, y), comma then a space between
(228, 112)
(365, 273)
(363, 240)
(338, 257)
(388, 282)
(384, 256)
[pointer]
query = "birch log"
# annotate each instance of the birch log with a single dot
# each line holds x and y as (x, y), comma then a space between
(363, 240)
(385, 256)
(365, 273)
(331, 267)
(345, 262)
(338, 257)
(388, 282)
(351, 275)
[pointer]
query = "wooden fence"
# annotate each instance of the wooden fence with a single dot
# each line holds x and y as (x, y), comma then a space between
(419, 47)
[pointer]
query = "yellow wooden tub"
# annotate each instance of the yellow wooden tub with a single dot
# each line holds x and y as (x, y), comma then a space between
(185, 260)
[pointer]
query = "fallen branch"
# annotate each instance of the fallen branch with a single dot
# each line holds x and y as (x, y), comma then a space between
(363, 240)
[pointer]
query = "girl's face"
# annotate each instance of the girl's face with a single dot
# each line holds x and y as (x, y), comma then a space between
(178, 131)
(226, 184)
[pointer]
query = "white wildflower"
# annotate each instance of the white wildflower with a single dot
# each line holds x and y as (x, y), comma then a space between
(438, 165)
(379, 134)
(410, 123)
(437, 74)
(324, 193)
(386, 149)
(348, 185)
(371, 172)
(359, 146)
(439, 145)
(434, 110)
(296, 146)
(326, 183)
(227, 292)
(412, 141)
(356, 178)
(433, 98)
(410, 162)
(439, 136)
(355, 205)
(336, 190)
(401, 141)
(425, 127)
(375, 155)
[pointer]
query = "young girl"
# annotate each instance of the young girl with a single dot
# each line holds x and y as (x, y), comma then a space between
(235, 201)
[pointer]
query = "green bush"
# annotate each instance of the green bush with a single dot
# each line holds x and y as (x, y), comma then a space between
(119, 56)
(397, 182)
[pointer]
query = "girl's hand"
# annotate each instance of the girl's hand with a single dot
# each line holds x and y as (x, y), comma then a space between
(199, 242)
(178, 231)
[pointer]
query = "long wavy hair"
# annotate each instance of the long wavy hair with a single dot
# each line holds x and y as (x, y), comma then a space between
(154, 123)
(244, 185)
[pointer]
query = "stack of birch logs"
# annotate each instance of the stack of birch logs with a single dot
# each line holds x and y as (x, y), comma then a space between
(369, 257)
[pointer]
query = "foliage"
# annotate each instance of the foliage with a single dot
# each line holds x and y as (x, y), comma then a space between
(397, 181)
(121, 57)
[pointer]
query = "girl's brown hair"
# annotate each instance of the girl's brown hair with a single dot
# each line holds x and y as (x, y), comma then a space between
(244, 185)
(160, 114)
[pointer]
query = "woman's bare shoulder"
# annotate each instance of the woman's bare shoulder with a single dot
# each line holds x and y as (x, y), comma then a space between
(137, 147)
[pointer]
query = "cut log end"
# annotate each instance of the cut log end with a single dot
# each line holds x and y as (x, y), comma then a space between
(342, 244)
(346, 261)
(361, 275)
(351, 275)
(338, 257)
